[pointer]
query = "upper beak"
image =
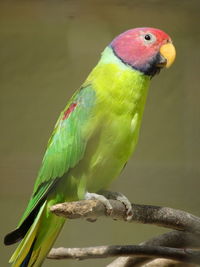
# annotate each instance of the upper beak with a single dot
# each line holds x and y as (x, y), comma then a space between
(168, 55)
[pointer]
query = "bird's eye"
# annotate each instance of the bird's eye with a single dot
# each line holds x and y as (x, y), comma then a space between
(149, 38)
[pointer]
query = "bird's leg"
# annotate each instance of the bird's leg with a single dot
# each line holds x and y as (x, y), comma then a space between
(102, 199)
(123, 199)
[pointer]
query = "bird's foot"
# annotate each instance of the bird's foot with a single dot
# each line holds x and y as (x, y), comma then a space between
(102, 199)
(123, 199)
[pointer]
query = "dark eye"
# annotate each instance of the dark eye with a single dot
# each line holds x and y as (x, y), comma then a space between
(147, 37)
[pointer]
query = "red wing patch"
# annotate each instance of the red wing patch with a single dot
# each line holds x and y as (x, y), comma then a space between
(69, 110)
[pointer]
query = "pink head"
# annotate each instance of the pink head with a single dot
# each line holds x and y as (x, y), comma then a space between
(144, 49)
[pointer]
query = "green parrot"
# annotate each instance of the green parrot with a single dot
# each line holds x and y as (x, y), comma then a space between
(94, 137)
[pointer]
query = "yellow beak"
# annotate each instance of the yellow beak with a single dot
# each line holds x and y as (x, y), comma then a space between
(168, 51)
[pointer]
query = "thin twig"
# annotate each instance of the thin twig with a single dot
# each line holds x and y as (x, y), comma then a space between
(183, 255)
(161, 216)
(175, 239)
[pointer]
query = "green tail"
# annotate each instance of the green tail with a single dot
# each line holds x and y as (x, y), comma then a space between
(39, 238)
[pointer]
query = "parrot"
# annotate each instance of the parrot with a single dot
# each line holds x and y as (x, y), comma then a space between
(93, 138)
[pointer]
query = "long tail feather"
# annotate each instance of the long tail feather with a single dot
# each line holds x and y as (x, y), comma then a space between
(24, 247)
(26, 260)
(38, 241)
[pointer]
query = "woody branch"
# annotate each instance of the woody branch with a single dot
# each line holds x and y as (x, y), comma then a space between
(161, 216)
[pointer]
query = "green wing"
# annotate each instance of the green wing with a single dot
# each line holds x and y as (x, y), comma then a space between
(65, 147)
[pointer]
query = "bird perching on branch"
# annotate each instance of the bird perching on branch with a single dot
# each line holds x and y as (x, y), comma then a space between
(93, 138)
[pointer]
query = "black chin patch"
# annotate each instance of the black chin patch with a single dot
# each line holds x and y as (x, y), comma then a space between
(152, 67)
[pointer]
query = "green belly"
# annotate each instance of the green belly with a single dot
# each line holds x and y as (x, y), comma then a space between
(106, 154)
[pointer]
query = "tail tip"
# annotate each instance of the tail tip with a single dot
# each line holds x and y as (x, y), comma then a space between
(12, 237)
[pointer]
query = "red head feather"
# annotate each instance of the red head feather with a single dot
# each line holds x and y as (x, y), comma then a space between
(140, 49)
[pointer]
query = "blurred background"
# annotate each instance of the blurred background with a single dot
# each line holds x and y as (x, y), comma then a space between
(47, 48)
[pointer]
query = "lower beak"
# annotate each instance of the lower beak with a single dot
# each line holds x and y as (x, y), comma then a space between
(168, 55)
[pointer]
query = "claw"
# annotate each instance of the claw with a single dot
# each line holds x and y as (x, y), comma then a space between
(102, 199)
(129, 211)
(124, 200)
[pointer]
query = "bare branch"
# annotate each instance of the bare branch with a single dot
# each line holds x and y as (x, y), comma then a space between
(144, 253)
(175, 239)
(161, 216)
(183, 255)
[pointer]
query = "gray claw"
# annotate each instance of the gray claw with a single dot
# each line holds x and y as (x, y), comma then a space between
(102, 199)
(124, 200)
(129, 211)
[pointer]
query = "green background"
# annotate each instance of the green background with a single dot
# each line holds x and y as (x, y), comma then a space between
(47, 48)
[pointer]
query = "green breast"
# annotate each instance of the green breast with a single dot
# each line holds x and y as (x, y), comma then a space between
(121, 93)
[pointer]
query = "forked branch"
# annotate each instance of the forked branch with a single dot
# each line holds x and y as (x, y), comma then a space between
(168, 246)
(189, 255)
(174, 239)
